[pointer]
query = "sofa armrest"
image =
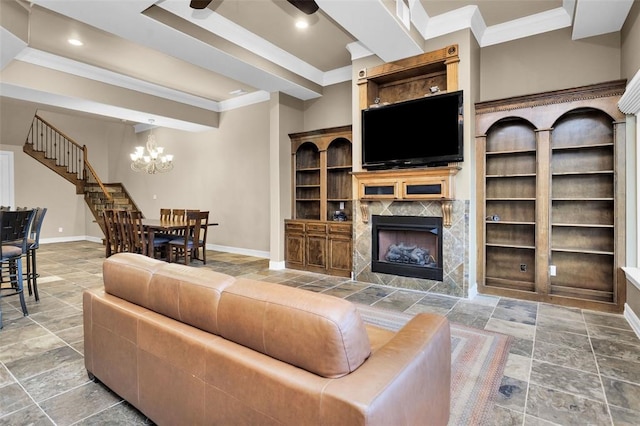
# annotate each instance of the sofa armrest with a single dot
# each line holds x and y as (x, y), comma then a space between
(407, 381)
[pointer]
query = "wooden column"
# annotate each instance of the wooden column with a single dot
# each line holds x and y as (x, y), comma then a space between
(543, 213)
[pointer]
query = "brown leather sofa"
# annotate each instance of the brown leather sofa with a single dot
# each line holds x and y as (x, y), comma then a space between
(189, 346)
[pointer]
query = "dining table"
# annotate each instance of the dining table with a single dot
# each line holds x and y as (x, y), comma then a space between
(164, 226)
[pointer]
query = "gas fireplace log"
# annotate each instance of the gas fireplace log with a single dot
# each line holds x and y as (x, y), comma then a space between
(414, 255)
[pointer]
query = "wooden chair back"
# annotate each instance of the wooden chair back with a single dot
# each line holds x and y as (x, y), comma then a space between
(200, 241)
(138, 239)
(178, 214)
(111, 243)
(165, 214)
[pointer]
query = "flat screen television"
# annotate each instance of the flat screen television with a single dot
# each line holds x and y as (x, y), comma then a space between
(417, 133)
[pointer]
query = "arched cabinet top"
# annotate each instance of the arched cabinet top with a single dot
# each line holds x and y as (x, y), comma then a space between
(542, 110)
(321, 138)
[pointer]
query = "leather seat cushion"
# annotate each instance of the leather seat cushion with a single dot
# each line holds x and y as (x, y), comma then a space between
(10, 251)
(319, 333)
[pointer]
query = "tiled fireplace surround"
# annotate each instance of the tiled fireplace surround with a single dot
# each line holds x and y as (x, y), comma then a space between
(455, 249)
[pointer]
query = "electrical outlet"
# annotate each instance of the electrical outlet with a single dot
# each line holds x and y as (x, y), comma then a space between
(155, 197)
(60, 229)
(523, 267)
(552, 270)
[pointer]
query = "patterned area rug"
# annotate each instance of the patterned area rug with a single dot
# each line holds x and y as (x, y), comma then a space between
(478, 358)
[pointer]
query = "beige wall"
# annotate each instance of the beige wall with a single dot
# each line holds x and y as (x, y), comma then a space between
(631, 43)
(224, 171)
(36, 185)
(548, 61)
(331, 110)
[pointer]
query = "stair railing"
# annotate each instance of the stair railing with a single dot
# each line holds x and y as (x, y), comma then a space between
(92, 177)
(46, 138)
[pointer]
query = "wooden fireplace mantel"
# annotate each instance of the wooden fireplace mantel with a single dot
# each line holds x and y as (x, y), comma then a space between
(420, 184)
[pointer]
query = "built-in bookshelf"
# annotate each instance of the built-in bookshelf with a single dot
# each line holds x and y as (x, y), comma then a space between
(551, 199)
(318, 237)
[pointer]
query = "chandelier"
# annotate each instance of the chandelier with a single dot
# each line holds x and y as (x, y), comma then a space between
(153, 161)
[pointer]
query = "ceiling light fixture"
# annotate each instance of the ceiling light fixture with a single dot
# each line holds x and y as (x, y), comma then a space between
(154, 162)
(75, 42)
(238, 92)
(302, 24)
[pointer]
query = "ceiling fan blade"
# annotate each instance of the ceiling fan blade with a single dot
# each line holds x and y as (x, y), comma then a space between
(306, 6)
(199, 4)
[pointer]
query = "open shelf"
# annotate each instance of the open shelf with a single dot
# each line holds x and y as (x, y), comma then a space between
(549, 167)
(317, 238)
(582, 147)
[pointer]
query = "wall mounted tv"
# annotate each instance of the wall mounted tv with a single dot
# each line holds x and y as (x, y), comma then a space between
(421, 132)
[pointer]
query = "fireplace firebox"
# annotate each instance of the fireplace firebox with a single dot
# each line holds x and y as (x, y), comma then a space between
(410, 246)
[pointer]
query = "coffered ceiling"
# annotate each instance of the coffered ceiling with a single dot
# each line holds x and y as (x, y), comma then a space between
(143, 59)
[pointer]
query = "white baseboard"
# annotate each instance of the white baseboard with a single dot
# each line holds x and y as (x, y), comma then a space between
(632, 319)
(226, 249)
(238, 250)
(70, 239)
(473, 291)
(276, 266)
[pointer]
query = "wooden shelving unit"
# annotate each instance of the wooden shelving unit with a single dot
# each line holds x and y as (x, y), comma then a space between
(321, 164)
(551, 197)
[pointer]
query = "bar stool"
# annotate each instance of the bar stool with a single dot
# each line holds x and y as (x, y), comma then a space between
(33, 243)
(14, 227)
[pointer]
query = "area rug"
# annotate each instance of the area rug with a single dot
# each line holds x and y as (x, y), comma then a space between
(478, 358)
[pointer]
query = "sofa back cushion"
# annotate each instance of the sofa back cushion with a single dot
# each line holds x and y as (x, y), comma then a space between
(127, 276)
(319, 333)
(186, 294)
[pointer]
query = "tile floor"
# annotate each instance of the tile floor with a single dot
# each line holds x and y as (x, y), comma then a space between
(566, 366)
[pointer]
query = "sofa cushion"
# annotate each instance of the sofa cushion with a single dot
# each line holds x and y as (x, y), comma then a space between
(319, 333)
(186, 294)
(127, 276)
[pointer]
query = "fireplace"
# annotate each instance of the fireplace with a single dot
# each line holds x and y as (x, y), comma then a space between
(409, 246)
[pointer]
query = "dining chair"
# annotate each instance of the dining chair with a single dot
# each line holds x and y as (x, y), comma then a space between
(178, 214)
(187, 243)
(165, 214)
(111, 242)
(14, 226)
(138, 238)
(123, 223)
(203, 219)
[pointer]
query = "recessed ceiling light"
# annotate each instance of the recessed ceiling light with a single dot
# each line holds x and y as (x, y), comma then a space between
(75, 42)
(302, 24)
(238, 92)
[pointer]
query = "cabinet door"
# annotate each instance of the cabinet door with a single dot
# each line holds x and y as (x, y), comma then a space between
(316, 251)
(340, 255)
(294, 249)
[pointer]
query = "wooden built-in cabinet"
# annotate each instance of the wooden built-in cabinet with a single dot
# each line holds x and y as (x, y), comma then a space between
(321, 167)
(409, 78)
(399, 81)
(551, 197)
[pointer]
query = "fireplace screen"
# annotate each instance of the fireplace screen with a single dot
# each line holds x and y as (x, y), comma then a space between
(408, 246)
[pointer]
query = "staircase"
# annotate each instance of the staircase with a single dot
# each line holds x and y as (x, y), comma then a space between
(58, 152)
